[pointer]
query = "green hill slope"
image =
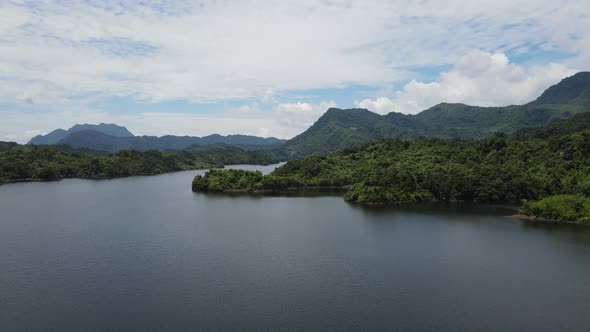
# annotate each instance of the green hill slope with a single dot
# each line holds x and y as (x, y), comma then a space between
(340, 128)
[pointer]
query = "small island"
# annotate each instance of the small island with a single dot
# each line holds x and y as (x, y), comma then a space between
(557, 209)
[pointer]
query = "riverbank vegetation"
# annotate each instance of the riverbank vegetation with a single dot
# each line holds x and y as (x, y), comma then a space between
(24, 162)
(530, 165)
(565, 208)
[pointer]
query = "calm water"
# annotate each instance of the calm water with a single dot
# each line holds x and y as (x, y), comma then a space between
(145, 253)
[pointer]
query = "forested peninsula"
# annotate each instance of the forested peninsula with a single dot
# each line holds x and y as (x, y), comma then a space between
(36, 163)
(531, 164)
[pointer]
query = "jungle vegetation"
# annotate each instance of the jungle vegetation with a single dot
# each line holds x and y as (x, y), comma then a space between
(26, 162)
(527, 165)
(559, 207)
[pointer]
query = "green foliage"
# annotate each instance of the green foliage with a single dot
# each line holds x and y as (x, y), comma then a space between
(559, 207)
(241, 180)
(18, 162)
(231, 155)
(373, 194)
(502, 168)
(576, 123)
(220, 180)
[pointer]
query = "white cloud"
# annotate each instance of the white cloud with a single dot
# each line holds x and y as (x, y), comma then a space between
(299, 116)
(10, 138)
(29, 134)
(246, 109)
(381, 105)
(269, 97)
(57, 52)
(63, 55)
(478, 78)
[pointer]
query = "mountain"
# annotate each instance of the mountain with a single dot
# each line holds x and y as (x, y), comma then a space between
(92, 139)
(340, 128)
(59, 134)
(571, 90)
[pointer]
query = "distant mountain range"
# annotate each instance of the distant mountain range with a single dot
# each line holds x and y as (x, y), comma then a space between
(340, 128)
(111, 137)
(57, 135)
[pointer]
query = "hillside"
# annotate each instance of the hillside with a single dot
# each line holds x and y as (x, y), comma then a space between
(507, 168)
(571, 90)
(340, 128)
(571, 125)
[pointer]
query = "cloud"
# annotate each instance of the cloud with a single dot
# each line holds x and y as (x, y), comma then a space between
(299, 116)
(57, 58)
(29, 134)
(246, 109)
(381, 105)
(64, 52)
(269, 97)
(10, 138)
(478, 78)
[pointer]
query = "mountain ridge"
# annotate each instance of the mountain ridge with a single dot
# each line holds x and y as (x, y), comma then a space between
(99, 141)
(112, 138)
(58, 134)
(341, 128)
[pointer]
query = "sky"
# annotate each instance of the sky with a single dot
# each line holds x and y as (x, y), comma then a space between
(272, 68)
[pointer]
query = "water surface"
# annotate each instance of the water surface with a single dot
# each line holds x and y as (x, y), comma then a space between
(146, 254)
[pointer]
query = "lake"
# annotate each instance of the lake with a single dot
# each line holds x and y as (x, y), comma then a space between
(147, 254)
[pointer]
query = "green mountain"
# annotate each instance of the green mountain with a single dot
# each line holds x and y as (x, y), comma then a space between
(340, 128)
(114, 138)
(571, 90)
(57, 135)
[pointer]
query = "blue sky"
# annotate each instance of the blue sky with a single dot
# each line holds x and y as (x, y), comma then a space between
(271, 68)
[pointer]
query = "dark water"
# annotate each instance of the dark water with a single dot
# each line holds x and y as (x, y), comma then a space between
(145, 253)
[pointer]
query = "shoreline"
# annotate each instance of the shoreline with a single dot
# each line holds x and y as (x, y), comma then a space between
(271, 191)
(9, 181)
(343, 189)
(535, 219)
(93, 177)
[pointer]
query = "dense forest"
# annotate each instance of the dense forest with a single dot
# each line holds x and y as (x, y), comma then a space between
(532, 164)
(25, 162)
